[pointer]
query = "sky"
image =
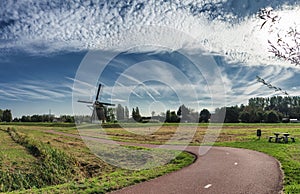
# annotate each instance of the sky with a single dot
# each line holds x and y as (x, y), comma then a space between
(155, 55)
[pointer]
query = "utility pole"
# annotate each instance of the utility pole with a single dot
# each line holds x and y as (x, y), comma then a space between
(49, 120)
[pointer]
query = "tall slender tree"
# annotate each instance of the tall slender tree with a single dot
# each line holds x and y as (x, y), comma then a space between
(120, 112)
(1, 115)
(7, 116)
(126, 113)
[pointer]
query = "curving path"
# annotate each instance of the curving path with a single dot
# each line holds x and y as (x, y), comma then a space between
(221, 171)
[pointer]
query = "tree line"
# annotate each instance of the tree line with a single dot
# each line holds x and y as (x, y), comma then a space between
(270, 110)
(183, 114)
(260, 109)
(187, 115)
(45, 118)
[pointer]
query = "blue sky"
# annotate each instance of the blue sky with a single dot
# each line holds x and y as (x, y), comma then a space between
(151, 54)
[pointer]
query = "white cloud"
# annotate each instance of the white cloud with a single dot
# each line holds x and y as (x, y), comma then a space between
(46, 27)
(34, 90)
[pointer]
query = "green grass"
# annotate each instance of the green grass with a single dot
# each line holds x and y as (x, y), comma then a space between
(50, 166)
(240, 135)
(109, 178)
(40, 124)
(67, 165)
(14, 160)
(13, 155)
(161, 135)
(116, 180)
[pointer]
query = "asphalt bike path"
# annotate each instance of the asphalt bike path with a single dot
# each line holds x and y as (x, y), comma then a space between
(222, 170)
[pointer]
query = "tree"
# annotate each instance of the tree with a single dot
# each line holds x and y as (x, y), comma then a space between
(133, 113)
(174, 118)
(272, 117)
(136, 114)
(232, 115)
(204, 116)
(120, 112)
(25, 119)
(67, 118)
(287, 45)
(245, 117)
(16, 119)
(183, 113)
(110, 115)
(153, 113)
(219, 115)
(260, 115)
(126, 113)
(7, 116)
(1, 115)
(294, 112)
(36, 118)
(168, 116)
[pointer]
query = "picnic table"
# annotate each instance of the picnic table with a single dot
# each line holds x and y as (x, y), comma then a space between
(277, 140)
(285, 137)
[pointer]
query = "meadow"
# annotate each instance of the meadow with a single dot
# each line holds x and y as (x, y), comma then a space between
(45, 157)
(33, 160)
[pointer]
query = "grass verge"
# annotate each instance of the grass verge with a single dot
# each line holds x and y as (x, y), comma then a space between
(118, 179)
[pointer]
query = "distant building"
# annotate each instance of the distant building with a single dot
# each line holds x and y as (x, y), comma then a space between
(57, 120)
(285, 120)
(294, 121)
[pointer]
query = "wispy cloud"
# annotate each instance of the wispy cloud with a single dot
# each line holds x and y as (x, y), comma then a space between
(221, 27)
(225, 28)
(34, 90)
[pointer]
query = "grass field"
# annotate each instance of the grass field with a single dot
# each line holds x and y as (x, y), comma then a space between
(94, 175)
(35, 161)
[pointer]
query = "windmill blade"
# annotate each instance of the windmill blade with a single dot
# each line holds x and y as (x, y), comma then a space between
(98, 92)
(107, 104)
(82, 101)
(90, 107)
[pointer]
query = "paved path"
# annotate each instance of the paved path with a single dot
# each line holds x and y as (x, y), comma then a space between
(221, 171)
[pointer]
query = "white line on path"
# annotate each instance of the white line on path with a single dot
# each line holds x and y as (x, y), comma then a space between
(207, 186)
(236, 163)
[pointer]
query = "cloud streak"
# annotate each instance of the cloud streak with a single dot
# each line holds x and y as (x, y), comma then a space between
(227, 28)
(34, 90)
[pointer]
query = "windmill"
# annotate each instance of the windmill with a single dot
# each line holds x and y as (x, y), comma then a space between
(99, 108)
